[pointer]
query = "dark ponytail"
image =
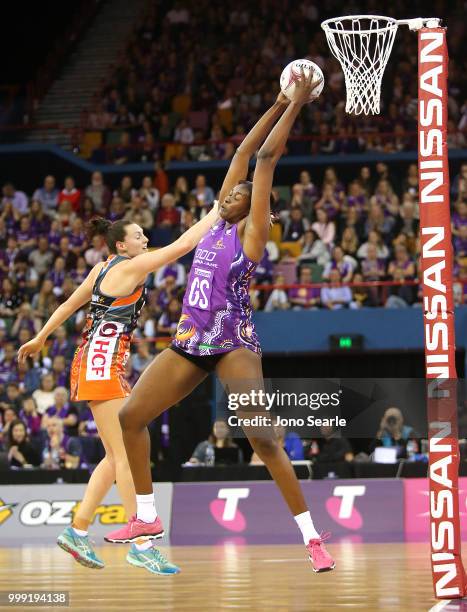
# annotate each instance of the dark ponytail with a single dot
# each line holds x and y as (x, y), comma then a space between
(111, 232)
(97, 226)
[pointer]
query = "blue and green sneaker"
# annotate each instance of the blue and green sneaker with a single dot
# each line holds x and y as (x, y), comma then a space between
(151, 559)
(80, 548)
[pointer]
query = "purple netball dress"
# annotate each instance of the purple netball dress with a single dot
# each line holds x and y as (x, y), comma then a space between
(216, 315)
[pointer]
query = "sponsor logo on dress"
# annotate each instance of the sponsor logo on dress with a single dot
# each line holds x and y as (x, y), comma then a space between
(201, 272)
(101, 350)
(219, 245)
(185, 328)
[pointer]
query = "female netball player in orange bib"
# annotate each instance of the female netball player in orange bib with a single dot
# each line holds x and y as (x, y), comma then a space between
(216, 331)
(116, 291)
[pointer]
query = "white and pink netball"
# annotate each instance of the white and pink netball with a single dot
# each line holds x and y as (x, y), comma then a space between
(293, 71)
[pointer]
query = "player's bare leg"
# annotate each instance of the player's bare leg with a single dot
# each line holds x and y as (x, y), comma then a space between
(113, 468)
(168, 379)
(240, 371)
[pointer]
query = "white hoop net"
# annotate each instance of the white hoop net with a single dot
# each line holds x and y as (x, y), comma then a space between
(362, 44)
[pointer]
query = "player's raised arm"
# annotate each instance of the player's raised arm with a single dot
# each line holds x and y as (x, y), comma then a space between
(140, 266)
(238, 169)
(257, 227)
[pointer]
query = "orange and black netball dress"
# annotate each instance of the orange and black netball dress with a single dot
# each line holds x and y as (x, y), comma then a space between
(98, 368)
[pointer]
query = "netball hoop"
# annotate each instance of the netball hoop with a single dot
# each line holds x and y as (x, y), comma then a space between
(363, 44)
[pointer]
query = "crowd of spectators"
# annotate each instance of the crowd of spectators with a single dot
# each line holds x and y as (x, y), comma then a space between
(196, 76)
(193, 80)
(331, 242)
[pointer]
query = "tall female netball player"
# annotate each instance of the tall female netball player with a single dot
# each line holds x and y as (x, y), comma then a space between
(215, 331)
(117, 295)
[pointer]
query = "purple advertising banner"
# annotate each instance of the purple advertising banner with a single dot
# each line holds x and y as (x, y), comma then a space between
(255, 513)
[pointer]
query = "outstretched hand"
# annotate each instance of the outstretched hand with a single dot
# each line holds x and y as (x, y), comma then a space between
(30, 349)
(304, 87)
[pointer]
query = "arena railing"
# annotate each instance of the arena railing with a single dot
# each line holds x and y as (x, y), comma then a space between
(382, 291)
(384, 142)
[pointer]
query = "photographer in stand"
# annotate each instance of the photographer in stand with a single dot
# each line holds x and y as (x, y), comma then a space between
(393, 432)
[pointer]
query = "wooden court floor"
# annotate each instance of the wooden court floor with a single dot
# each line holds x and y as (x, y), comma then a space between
(368, 577)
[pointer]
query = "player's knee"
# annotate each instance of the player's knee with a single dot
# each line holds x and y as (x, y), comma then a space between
(128, 418)
(122, 418)
(125, 418)
(265, 447)
(122, 465)
(110, 458)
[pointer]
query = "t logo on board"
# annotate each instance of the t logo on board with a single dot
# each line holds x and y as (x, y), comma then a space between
(227, 513)
(343, 510)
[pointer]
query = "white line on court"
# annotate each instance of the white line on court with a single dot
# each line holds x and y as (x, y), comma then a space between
(439, 606)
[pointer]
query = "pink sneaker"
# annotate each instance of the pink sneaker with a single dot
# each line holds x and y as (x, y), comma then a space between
(321, 560)
(136, 529)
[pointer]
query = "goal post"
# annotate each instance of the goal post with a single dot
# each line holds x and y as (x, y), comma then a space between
(362, 44)
(438, 308)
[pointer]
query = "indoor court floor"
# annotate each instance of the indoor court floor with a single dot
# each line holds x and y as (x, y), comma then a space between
(368, 577)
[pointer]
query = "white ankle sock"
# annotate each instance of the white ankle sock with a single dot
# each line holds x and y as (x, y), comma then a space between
(146, 508)
(306, 526)
(143, 544)
(80, 532)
